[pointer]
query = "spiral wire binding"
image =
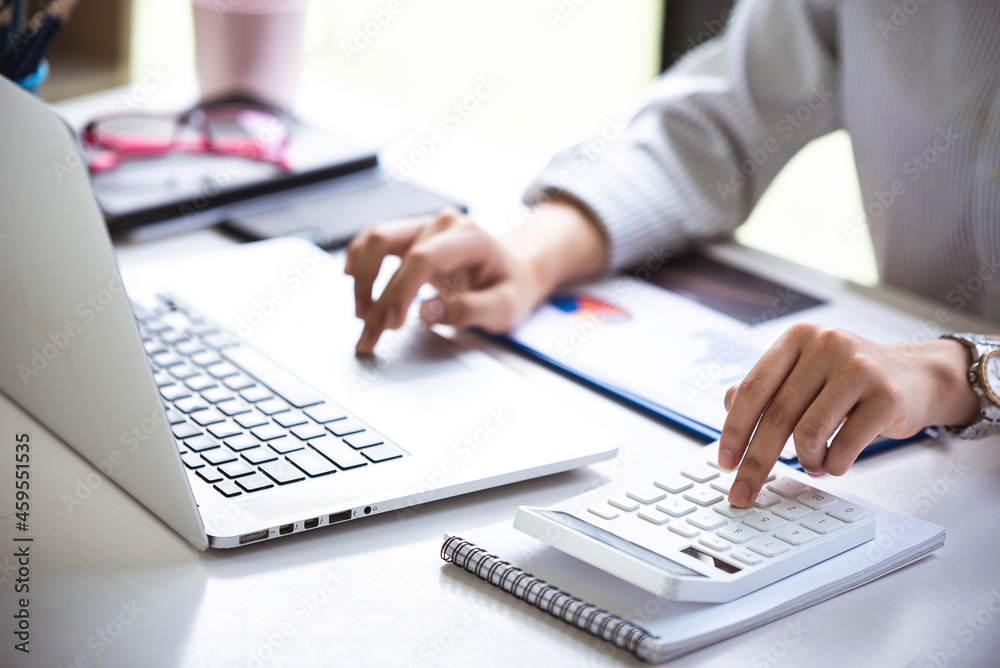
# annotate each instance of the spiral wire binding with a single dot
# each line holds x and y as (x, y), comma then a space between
(548, 598)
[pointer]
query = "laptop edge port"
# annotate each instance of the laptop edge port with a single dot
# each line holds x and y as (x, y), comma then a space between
(286, 529)
(340, 517)
(311, 524)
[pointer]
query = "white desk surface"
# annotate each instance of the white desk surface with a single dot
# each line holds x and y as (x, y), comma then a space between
(111, 585)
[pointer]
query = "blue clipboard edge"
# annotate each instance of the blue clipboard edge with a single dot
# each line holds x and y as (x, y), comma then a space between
(661, 413)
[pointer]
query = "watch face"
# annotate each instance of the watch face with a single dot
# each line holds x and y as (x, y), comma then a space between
(989, 375)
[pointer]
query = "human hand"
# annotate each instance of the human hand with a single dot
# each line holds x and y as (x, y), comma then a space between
(479, 280)
(815, 378)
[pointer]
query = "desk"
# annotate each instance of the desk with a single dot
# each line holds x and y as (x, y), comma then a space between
(111, 585)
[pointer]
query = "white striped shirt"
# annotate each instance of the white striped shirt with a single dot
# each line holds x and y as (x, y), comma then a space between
(916, 83)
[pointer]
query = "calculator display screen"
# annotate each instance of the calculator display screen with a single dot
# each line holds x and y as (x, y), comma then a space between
(619, 543)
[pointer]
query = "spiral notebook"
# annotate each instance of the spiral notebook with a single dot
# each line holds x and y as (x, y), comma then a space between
(657, 630)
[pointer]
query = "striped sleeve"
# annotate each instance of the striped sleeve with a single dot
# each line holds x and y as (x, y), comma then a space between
(717, 129)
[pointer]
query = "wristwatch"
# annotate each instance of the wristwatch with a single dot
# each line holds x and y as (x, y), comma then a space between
(984, 376)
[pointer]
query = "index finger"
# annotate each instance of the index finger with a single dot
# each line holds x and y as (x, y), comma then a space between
(367, 251)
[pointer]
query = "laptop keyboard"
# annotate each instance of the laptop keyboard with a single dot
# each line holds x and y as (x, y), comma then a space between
(242, 422)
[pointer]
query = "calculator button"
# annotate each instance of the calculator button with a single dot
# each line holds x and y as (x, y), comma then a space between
(676, 507)
(724, 483)
(654, 516)
(766, 499)
(787, 487)
(732, 511)
(674, 484)
(621, 502)
(715, 542)
(769, 547)
(746, 556)
(703, 497)
(604, 512)
(685, 530)
(764, 521)
(794, 535)
(700, 473)
(848, 512)
(822, 524)
(714, 464)
(646, 495)
(817, 500)
(791, 511)
(707, 520)
(737, 533)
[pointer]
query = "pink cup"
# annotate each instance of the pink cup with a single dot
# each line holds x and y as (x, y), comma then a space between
(249, 47)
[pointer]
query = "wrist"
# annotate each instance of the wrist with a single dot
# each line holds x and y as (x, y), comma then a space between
(563, 244)
(953, 402)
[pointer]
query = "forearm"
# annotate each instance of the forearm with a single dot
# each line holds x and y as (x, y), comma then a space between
(561, 245)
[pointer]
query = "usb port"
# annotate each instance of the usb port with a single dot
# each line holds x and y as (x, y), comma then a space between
(340, 517)
(286, 529)
(311, 524)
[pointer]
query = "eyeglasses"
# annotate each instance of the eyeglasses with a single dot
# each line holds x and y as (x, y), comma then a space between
(244, 130)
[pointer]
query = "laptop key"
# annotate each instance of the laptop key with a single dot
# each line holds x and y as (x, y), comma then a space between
(209, 474)
(200, 443)
(227, 489)
(285, 445)
(173, 417)
(188, 348)
(307, 432)
(207, 417)
(222, 370)
(218, 456)
(382, 453)
(174, 392)
(236, 469)
(190, 405)
(199, 383)
(224, 429)
(290, 419)
(241, 442)
(311, 462)
(185, 430)
(238, 382)
(325, 412)
(259, 455)
(272, 406)
(363, 439)
(256, 393)
(254, 483)
(268, 432)
(345, 427)
(215, 395)
(282, 472)
(234, 407)
(192, 461)
(205, 358)
(339, 453)
(251, 420)
(285, 384)
(182, 371)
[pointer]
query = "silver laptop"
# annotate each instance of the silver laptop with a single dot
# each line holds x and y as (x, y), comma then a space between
(183, 392)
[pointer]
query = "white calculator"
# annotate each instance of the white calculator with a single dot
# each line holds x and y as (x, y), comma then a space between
(673, 532)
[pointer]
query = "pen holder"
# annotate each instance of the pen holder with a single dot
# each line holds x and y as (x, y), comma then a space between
(31, 82)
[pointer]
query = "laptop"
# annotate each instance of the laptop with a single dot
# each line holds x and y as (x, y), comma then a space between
(221, 391)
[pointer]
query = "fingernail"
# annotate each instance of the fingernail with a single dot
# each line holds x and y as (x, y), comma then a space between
(727, 460)
(739, 495)
(816, 474)
(432, 310)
